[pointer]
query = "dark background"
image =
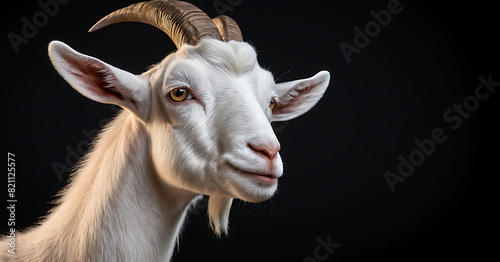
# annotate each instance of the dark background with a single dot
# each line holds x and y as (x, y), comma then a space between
(393, 92)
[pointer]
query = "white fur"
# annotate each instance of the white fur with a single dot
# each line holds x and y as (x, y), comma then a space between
(130, 194)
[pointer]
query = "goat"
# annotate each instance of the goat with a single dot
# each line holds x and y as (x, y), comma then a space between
(197, 123)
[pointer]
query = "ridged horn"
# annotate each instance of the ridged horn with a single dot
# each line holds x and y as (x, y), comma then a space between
(228, 28)
(183, 22)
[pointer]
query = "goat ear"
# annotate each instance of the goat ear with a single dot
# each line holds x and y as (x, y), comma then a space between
(100, 81)
(299, 96)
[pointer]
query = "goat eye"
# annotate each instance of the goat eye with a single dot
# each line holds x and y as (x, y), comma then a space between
(272, 103)
(179, 94)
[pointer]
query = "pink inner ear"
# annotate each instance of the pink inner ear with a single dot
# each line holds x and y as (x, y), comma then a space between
(96, 77)
(293, 99)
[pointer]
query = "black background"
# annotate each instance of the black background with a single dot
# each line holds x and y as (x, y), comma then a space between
(393, 92)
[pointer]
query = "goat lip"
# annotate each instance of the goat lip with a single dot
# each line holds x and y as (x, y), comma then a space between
(263, 177)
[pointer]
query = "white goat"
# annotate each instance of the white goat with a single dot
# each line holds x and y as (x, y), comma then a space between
(198, 123)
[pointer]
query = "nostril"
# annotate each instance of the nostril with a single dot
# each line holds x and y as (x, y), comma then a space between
(268, 151)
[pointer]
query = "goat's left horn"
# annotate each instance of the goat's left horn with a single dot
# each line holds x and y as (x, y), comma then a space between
(228, 28)
(183, 22)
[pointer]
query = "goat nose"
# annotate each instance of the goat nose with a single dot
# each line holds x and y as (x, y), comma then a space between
(267, 150)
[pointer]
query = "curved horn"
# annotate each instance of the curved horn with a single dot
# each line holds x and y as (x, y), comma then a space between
(228, 28)
(183, 22)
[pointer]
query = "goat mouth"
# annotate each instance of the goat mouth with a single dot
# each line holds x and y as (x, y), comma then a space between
(262, 177)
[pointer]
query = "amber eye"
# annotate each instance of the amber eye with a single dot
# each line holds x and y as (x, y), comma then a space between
(179, 94)
(272, 103)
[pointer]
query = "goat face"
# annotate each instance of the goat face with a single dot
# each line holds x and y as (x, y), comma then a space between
(216, 100)
(208, 110)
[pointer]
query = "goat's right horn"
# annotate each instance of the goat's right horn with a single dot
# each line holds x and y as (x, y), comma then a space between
(228, 28)
(183, 22)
